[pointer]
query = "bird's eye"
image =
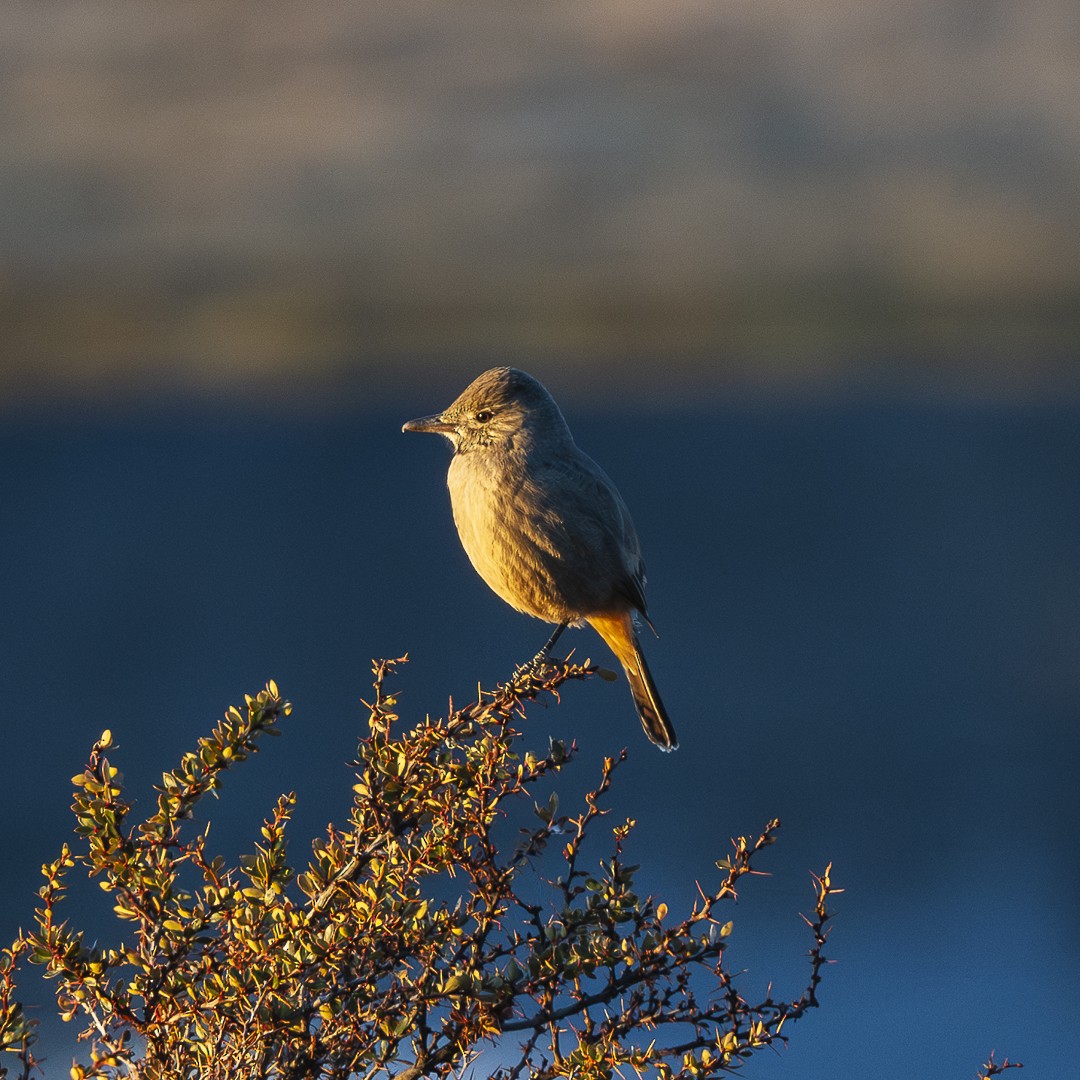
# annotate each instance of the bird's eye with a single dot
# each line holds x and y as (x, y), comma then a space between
(483, 416)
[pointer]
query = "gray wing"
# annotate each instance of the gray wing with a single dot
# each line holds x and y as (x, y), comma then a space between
(584, 536)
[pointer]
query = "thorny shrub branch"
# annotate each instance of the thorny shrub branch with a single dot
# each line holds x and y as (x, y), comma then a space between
(409, 944)
(992, 1068)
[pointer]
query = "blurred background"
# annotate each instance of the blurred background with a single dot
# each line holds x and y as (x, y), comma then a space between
(805, 279)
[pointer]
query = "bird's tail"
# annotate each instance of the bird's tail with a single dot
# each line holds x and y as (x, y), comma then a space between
(617, 630)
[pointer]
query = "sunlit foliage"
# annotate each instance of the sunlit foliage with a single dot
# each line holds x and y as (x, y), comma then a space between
(418, 940)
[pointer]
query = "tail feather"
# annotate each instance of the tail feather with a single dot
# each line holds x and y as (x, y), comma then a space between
(654, 717)
(618, 631)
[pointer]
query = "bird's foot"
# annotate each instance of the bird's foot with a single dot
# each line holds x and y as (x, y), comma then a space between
(537, 665)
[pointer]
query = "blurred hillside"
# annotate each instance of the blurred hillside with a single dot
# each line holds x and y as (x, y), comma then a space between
(211, 197)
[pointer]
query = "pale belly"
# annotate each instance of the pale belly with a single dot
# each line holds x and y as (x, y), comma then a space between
(517, 559)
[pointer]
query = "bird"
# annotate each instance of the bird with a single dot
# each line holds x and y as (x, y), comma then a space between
(544, 526)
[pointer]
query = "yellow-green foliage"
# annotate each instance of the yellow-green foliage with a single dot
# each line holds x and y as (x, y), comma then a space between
(355, 967)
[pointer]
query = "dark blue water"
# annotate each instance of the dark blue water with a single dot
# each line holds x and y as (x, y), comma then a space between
(870, 620)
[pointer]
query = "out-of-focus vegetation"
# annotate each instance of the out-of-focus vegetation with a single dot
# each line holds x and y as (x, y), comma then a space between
(212, 197)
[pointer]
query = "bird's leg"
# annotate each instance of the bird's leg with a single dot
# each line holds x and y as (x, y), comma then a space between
(543, 653)
(538, 660)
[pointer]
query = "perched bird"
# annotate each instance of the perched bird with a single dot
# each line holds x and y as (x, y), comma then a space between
(544, 526)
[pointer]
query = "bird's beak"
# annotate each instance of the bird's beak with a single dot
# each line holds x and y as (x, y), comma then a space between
(434, 424)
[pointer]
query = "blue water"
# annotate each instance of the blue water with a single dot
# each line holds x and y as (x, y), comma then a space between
(870, 620)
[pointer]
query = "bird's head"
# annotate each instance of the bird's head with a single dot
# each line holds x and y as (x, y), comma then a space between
(502, 407)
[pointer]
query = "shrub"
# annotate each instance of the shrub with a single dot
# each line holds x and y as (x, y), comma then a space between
(408, 945)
